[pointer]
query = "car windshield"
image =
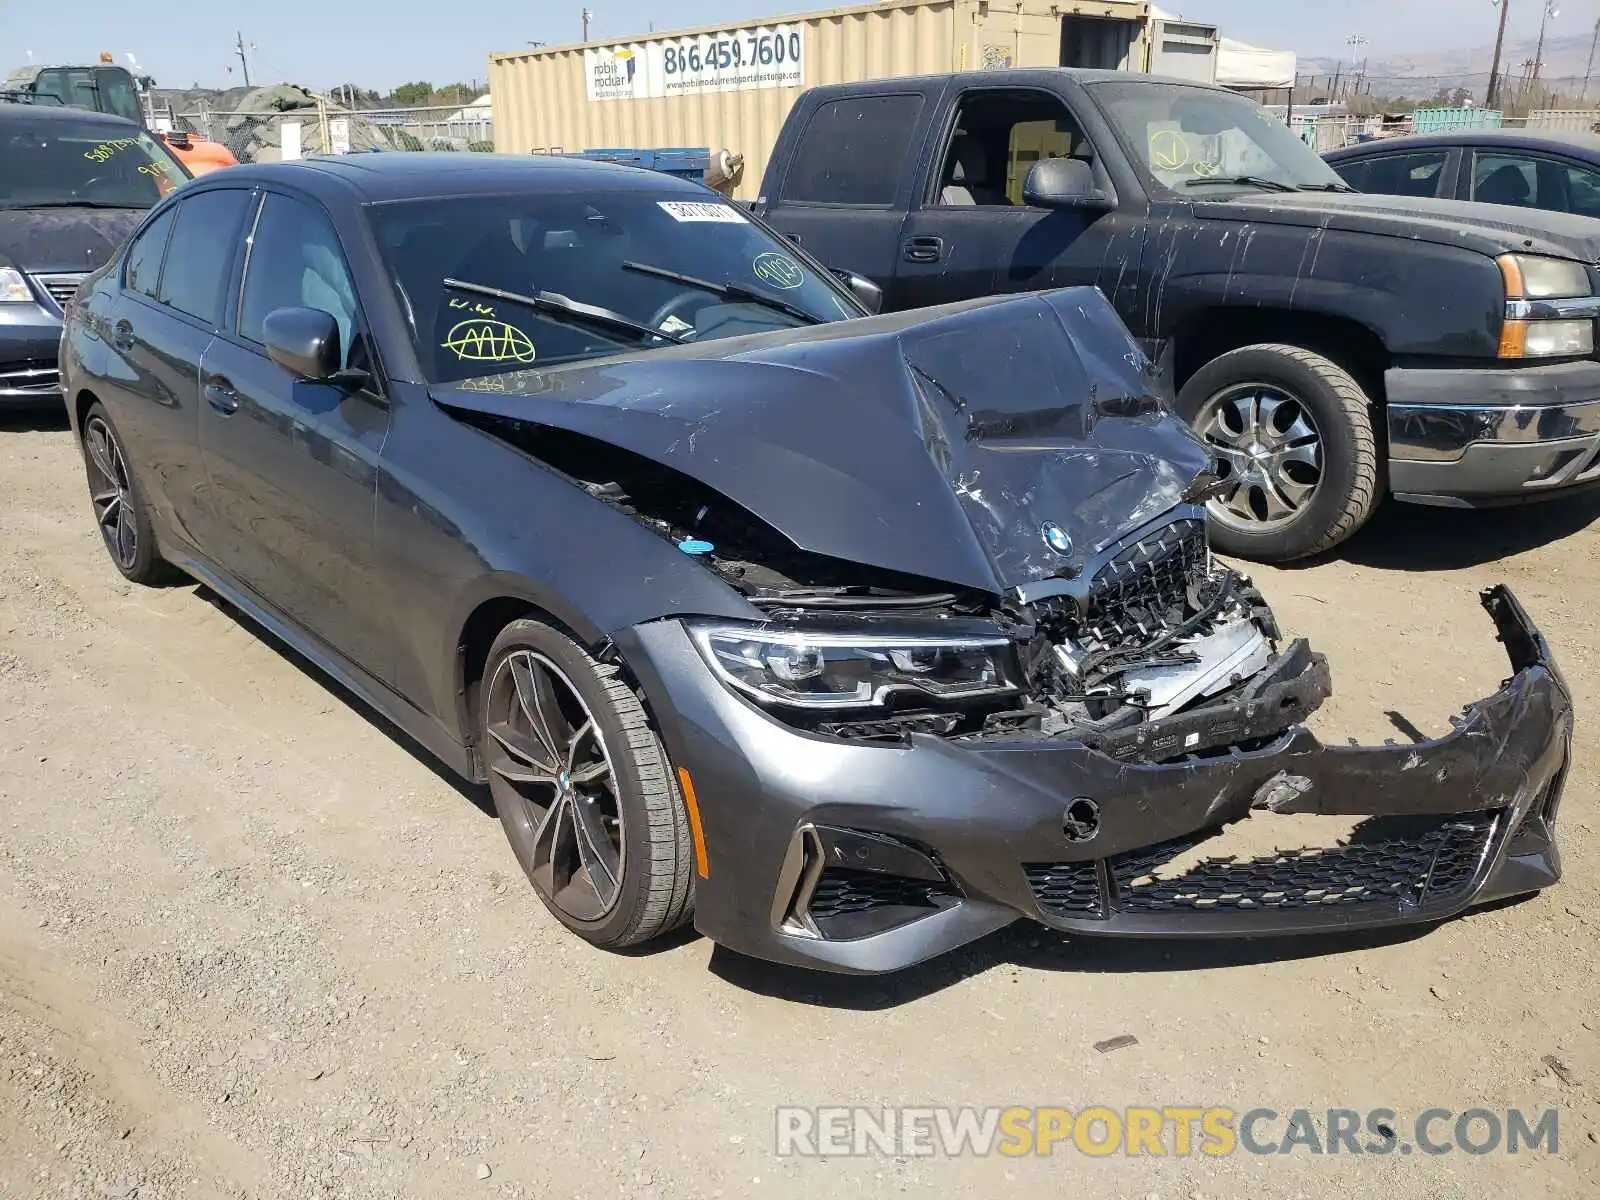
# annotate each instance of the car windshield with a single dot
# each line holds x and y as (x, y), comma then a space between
(58, 162)
(1194, 141)
(498, 283)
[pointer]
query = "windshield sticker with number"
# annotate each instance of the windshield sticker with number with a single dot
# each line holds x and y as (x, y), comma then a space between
(105, 150)
(481, 340)
(777, 270)
(700, 210)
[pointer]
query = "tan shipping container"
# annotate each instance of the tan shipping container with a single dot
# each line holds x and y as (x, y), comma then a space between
(542, 98)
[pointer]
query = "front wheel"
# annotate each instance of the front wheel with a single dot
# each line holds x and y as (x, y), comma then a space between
(1292, 432)
(583, 788)
(119, 506)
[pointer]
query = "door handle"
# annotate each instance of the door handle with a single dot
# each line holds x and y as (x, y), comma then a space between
(924, 249)
(122, 335)
(220, 395)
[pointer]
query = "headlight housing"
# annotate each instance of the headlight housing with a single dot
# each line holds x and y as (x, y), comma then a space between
(1550, 308)
(1532, 277)
(822, 669)
(14, 288)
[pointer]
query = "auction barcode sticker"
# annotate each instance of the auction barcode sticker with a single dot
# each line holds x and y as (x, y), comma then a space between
(698, 210)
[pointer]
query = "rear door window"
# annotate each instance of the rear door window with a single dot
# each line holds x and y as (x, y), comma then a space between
(1506, 179)
(200, 253)
(1418, 174)
(853, 151)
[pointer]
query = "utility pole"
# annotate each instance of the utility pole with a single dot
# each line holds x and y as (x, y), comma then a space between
(1588, 72)
(1499, 45)
(587, 17)
(1355, 41)
(238, 48)
(1536, 84)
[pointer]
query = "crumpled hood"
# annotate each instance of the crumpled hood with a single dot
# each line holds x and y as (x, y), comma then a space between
(938, 443)
(1488, 228)
(64, 239)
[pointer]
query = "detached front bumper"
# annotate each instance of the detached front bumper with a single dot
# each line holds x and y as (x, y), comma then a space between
(1482, 437)
(868, 858)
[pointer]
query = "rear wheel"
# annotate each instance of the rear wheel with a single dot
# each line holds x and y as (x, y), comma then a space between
(1293, 433)
(583, 788)
(119, 506)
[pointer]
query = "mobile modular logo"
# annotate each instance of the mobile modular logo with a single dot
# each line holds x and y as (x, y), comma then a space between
(614, 72)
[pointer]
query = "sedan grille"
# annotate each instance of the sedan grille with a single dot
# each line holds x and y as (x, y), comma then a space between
(24, 380)
(61, 287)
(1148, 585)
(1434, 864)
(1432, 860)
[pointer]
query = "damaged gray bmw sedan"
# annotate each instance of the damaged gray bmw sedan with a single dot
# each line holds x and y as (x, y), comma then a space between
(850, 638)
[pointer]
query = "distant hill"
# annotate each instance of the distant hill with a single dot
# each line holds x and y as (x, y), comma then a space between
(1565, 61)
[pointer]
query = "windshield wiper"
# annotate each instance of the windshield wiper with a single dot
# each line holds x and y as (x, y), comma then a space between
(1324, 187)
(1260, 181)
(728, 291)
(564, 308)
(72, 204)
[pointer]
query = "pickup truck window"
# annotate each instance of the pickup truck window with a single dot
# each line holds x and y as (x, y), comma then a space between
(997, 138)
(853, 151)
(1192, 141)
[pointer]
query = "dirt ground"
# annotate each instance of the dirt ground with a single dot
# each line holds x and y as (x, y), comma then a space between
(251, 945)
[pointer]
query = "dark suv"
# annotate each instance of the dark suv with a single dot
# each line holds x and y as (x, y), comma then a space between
(72, 187)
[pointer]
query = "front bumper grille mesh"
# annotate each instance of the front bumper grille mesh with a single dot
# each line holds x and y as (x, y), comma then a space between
(841, 891)
(1067, 889)
(1148, 585)
(1432, 861)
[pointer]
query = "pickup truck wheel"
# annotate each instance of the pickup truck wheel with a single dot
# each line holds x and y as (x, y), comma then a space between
(1293, 434)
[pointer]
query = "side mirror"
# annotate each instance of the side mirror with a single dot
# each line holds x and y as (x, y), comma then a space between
(304, 342)
(1063, 183)
(868, 294)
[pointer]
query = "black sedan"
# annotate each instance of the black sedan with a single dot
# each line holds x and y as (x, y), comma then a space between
(856, 636)
(73, 185)
(1526, 170)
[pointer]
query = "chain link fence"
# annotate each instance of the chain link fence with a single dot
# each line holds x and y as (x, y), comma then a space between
(326, 129)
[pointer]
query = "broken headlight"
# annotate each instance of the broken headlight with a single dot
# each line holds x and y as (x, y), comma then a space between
(818, 669)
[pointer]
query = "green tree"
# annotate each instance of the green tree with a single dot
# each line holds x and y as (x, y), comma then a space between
(408, 94)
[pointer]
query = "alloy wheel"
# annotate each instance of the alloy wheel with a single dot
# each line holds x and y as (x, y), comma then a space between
(110, 493)
(1270, 455)
(546, 746)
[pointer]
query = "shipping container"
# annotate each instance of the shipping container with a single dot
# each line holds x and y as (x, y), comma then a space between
(731, 86)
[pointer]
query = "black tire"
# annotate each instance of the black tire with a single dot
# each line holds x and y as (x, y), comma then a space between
(655, 892)
(1345, 492)
(119, 505)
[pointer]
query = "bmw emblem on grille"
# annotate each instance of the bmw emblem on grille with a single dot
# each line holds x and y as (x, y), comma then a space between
(1056, 538)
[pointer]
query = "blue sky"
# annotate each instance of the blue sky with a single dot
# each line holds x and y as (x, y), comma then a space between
(380, 45)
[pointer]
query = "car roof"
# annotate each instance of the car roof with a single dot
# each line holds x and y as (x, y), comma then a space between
(1015, 77)
(403, 175)
(1581, 145)
(12, 111)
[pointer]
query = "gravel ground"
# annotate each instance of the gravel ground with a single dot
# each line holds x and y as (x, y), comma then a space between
(252, 945)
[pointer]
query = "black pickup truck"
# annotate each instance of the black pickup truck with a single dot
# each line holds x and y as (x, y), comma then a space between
(1329, 346)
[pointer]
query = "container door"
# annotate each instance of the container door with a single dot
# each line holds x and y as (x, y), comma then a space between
(1099, 43)
(1184, 50)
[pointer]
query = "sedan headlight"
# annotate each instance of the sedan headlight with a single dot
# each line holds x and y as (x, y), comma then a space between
(14, 288)
(816, 669)
(1531, 277)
